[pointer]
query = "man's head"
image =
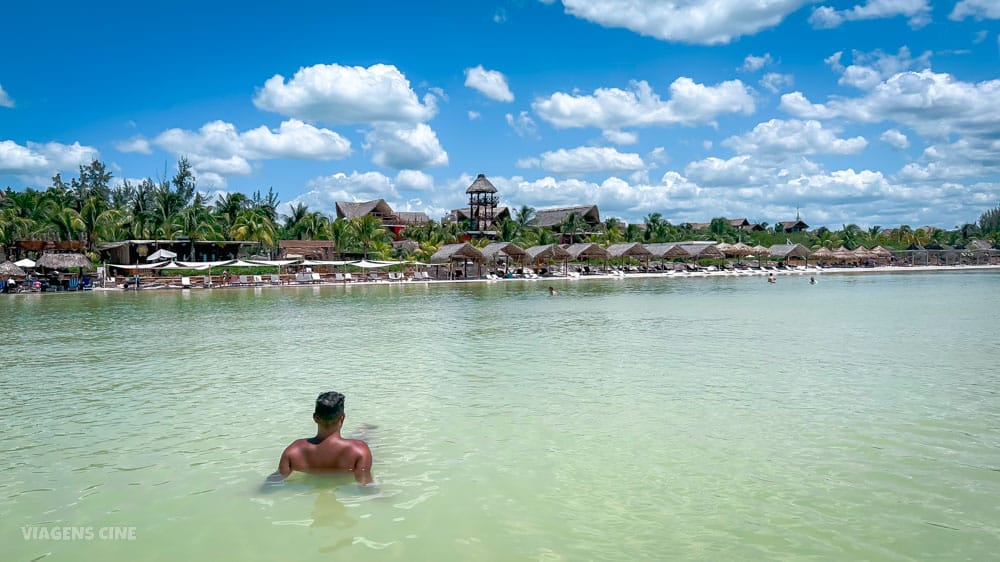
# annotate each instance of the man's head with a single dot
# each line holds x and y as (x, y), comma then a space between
(329, 408)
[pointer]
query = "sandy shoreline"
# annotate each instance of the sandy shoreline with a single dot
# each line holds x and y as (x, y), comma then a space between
(811, 271)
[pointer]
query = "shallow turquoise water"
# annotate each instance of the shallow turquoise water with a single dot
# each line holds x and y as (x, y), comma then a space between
(716, 418)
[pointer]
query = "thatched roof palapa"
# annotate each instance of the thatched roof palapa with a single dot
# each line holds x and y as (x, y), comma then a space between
(481, 185)
(703, 251)
(548, 218)
(587, 251)
(629, 249)
(457, 252)
(660, 249)
(823, 253)
(64, 261)
(8, 268)
(547, 252)
(881, 252)
(787, 251)
(493, 252)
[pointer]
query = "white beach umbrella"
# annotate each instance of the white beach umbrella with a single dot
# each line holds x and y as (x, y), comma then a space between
(25, 263)
(161, 255)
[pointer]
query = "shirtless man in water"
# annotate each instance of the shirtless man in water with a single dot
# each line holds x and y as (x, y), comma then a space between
(328, 451)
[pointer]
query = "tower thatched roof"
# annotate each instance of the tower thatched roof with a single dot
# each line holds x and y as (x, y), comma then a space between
(481, 185)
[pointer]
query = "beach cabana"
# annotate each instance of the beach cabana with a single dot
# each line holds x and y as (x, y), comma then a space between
(64, 261)
(546, 254)
(503, 252)
(703, 251)
(585, 251)
(786, 252)
(822, 254)
(633, 250)
(8, 269)
(450, 254)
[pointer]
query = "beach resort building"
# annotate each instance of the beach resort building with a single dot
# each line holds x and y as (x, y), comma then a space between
(394, 221)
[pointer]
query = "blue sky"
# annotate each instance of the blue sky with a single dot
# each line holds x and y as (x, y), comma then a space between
(869, 111)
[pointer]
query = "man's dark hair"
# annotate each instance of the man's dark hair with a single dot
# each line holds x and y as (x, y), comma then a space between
(329, 406)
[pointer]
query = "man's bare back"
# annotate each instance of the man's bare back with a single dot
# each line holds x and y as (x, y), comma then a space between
(328, 451)
(332, 454)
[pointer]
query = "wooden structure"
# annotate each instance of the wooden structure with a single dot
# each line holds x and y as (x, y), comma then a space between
(452, 254)
(483, 202)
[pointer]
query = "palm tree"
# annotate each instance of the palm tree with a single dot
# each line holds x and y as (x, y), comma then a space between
(572, 224)
(254, 225)
(508, 231)
(68, 224)
(338, 231)
(293, 221)
(366, 231)
(524, 216)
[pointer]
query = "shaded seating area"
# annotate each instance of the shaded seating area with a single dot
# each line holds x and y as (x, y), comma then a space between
(541, 257)
(503, 254)
(451, 255)
(630, 250)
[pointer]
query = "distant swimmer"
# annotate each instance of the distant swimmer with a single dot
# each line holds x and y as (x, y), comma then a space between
(812, 280)
(771, 279)
(328, 451)
(553, 292)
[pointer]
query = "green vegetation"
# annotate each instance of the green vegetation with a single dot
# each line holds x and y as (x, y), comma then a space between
(90, 211)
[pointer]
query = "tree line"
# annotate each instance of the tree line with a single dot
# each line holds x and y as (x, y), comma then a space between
(91, 210)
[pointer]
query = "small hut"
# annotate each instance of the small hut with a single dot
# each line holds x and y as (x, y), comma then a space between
(587, 251)
(823, 253)
(503, 252)
(786, 252)
(633, 250)
(463, 253)
(64, 261)
(546, 254)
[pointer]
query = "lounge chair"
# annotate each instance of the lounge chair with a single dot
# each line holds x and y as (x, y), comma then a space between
(347, 277)
(302, 278)
(185, 282)
(338, 277)
(258, 280)
(275, 279)
(373, 277)
(316, 278)
(243, 280)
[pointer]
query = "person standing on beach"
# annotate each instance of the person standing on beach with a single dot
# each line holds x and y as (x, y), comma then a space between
(328, 452)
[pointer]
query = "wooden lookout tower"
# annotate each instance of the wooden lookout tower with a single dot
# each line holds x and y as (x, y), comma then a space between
(483, 200)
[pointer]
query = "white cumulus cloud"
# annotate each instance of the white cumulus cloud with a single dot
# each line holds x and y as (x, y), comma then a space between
(219, 148)
(43, 159)
(895, 139)
(979, 9)
(753, 63)
(690, 103)
(775, 81)
(792, 138)
(918, 12)
(589, 159)
(414, 180)
(345, 94)
(490, 83)
(708, 22)
(405, 147)
(620, 137)
(134, 144)
(870, 69)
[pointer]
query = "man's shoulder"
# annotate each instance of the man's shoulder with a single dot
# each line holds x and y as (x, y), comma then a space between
(298, 444)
